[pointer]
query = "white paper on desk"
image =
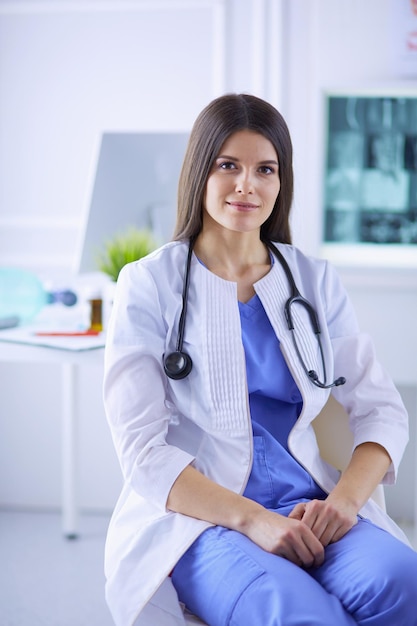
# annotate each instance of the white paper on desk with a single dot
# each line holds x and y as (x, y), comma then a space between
(26, 335)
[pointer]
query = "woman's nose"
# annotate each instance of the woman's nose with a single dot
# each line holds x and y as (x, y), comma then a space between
(244, 183)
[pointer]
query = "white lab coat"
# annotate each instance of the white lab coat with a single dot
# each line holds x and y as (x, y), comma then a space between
(159, 426)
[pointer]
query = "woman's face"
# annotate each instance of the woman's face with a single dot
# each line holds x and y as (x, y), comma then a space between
(243, 184)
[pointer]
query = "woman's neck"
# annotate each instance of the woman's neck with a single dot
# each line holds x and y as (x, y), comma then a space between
(239, 257)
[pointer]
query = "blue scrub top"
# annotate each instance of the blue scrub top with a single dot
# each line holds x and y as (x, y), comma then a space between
(277, 480)
(274, 398)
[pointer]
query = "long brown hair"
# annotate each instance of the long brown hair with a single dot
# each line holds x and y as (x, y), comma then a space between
(217, 121)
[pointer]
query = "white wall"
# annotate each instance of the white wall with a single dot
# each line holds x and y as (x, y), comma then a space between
(71, 70)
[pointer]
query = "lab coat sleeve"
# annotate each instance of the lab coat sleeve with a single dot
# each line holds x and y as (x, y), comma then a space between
(135, 388)
(376, 411)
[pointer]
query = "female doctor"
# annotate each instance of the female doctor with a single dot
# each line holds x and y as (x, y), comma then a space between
(223, 347)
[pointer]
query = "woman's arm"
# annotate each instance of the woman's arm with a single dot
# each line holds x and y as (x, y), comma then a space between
(374, 406)
(377, 417)
(332, 518)
(196, 495)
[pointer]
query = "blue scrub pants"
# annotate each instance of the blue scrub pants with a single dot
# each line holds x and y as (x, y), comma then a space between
(368, 577)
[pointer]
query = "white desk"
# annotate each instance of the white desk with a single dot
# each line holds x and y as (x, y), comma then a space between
(69, 361)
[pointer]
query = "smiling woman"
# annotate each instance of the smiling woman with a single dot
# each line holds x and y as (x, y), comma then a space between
(212, 130)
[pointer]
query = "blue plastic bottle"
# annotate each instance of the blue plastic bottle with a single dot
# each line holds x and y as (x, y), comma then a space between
(22, 296)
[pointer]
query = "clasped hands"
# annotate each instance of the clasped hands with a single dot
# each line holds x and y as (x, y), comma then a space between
(309, 528)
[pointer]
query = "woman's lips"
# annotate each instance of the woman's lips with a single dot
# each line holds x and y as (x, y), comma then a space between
(243, 206)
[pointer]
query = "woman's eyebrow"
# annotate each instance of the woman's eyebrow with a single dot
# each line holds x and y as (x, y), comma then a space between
(232, 158)
(269, 161)
(226, 156)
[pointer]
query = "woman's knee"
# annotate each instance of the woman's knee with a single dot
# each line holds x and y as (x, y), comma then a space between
(374, 575)
(391, 594)
(272, 602)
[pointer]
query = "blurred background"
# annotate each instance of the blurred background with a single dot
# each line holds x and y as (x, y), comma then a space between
(97, 100)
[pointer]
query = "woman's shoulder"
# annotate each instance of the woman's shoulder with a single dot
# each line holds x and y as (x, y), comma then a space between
(158, 274)
(168, 252)
(309, 270)
(298, 258)
(165, 257)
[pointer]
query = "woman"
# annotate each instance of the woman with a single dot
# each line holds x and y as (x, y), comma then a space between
(213, 378)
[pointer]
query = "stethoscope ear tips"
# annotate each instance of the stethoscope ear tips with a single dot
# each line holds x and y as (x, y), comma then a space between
(177, 365)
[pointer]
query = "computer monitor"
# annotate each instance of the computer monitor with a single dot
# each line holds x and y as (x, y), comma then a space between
(135, 184)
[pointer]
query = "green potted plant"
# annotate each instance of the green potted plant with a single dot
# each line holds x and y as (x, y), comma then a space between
(124, 248)
(131, 245)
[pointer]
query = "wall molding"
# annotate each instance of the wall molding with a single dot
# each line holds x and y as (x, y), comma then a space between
(31, 222)
(14, 7)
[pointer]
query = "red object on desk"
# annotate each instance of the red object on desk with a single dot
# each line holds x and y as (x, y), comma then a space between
(69, 333)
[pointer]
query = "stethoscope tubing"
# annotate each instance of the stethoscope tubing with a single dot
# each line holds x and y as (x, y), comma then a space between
(178, 364)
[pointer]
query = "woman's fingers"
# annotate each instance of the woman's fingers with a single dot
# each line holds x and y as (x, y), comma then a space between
(287, 537)
(328, 522)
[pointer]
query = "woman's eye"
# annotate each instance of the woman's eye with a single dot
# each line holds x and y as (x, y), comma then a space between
(266, 169)
(227, 165)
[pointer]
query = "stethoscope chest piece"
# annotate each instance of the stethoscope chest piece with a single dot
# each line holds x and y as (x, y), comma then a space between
(177, 365)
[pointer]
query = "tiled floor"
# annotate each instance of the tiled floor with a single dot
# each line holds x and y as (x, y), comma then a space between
(46, 580)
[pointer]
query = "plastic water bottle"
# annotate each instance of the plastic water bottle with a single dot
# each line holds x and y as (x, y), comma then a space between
(22, 296)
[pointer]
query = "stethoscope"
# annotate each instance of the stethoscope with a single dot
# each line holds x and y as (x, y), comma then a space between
(178, 364)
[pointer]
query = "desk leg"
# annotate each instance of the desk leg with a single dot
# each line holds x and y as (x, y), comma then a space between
(69, 451)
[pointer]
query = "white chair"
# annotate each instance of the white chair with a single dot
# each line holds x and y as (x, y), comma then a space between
(335, 442)
(192, 620)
